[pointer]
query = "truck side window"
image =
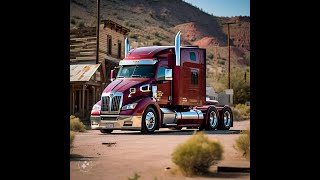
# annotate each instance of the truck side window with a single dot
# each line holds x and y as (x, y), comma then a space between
(194, 78)
(161, 73)
(192, 56)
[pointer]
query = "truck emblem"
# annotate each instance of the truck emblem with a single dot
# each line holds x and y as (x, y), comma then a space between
(111, 95)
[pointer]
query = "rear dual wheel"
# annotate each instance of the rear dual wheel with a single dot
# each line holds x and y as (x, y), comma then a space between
(212, 121)
(226, 120)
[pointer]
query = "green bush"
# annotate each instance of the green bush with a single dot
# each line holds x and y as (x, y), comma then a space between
(134, 36)
(72, 21)
(76, 125)
(240, 86)
(244, 110)
(72, 136)
(236, 115)
(210, 56)
(156, 42)
(156, 34)
(81, 24)
(136, 176)
(243, 144)
(197, 154)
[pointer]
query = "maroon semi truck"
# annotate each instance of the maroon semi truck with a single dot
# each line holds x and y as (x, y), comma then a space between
(159, 87)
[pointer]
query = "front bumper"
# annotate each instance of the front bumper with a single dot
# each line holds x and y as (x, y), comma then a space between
(115, 122)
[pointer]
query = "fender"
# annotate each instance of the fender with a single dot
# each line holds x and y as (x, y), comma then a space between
(143, 104)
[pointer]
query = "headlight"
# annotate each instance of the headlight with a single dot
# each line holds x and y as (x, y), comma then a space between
(129, 106)
(96, 107)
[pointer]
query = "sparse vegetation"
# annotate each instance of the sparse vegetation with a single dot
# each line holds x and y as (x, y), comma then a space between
(73, 21)
(156, 34)
(136, 176)
(197, 154)
(210, 56)
(244, 110)
(134, 36)
(243, 144)
(222, 62)
(81, 24)
(72, 136)
(76, 125)
(156, 42)
(240, 86)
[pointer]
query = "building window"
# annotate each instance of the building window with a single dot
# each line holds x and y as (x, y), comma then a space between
(192, 56)
(119, 49)
(194, 78)
(109, 44)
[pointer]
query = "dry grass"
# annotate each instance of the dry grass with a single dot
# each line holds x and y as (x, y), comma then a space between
(241, 112)
(76, 124)
(243, 144)
(197, 154)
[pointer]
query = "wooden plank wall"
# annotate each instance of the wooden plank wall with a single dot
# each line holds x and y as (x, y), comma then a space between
(83, 44)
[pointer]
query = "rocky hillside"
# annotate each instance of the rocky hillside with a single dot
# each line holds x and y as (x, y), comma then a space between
(155, 22)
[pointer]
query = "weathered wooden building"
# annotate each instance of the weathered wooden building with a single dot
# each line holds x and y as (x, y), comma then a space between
(85, 92)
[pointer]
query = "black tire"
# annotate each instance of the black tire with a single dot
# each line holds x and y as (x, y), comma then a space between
(226, 119)
(212, 119)
(149, 121)
(106, 131)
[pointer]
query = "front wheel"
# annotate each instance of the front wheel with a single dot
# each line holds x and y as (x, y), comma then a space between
(149, 121)
(106, 131)
(226, 119)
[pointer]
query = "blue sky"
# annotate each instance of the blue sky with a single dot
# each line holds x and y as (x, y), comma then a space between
(223, 7)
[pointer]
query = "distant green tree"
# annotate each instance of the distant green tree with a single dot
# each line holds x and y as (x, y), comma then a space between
(239, 84)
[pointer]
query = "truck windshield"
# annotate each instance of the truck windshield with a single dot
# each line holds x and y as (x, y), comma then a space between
(136, 71)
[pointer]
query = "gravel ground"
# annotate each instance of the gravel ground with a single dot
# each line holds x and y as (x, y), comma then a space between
(120, 154)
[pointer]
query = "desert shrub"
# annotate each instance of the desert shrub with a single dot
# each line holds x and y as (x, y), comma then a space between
(210, 56)
(197, 154)
(244, 110)
(243, 144)
(72, 136)
(134, 36)
(222, 62)
(156, 34)
(148, 37)
(136, 176)
(236, 115)
(76, 124)
(72, 21)
(240, 86)
(81, 24)
(156, 42)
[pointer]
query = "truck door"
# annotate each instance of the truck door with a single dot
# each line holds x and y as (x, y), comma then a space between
(163, 86)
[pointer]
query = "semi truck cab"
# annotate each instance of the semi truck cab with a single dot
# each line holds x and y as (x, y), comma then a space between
(159, 87)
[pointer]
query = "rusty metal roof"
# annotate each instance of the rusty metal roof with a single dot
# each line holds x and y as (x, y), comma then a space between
(82, 72)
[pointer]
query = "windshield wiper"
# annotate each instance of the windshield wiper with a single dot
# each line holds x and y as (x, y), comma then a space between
(136, 75)
(120, 77)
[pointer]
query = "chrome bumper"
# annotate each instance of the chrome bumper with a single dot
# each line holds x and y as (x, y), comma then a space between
(115, 122)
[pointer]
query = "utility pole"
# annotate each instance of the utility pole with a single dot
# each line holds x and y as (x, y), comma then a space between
(229, 50)
(98, 29)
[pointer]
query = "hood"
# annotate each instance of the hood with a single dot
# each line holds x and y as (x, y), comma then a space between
(122, 84)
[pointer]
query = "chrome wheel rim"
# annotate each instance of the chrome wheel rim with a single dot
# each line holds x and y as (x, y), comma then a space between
(227, 118)
(213, 119)
(150, 120)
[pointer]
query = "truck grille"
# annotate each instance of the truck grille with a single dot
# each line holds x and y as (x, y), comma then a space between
(111, 104)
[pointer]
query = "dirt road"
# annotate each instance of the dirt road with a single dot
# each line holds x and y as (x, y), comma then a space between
(119, 155)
